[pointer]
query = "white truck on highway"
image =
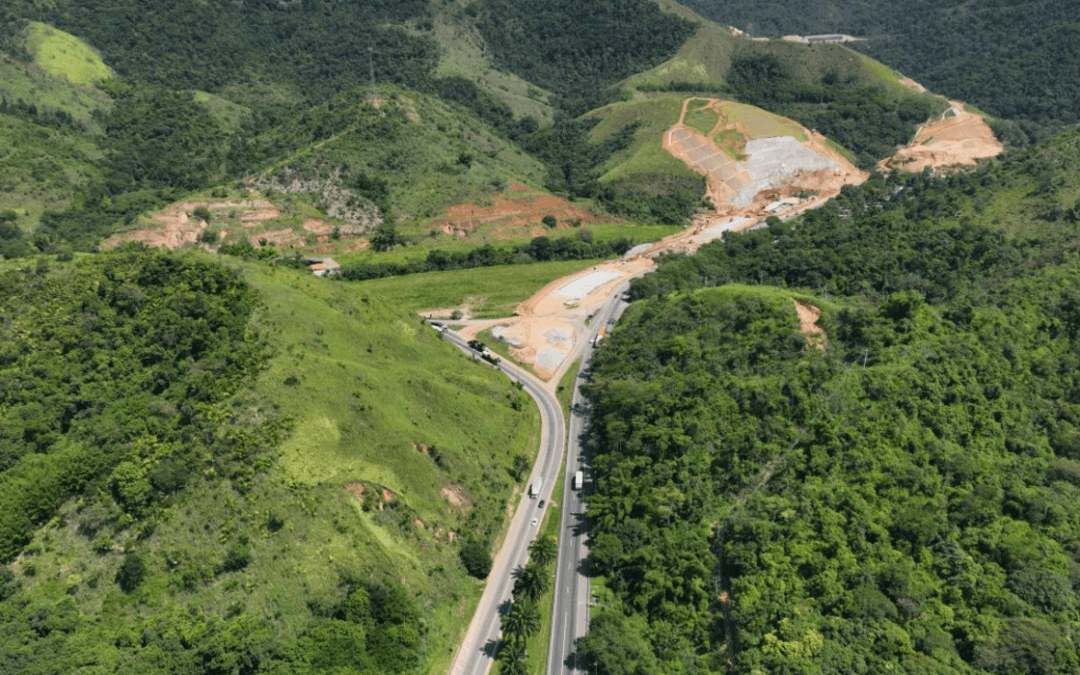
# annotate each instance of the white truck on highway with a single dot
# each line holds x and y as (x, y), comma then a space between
(579, 479)
(534, 489)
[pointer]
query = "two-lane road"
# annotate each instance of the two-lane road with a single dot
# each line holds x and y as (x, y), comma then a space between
(570, 612)
(476, 653)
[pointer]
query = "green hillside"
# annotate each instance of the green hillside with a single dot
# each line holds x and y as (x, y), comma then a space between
(852, 99)
(65, 56)
(893, 493)
(994, 55)
(281, 474)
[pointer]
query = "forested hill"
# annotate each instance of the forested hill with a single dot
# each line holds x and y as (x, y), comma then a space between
(897, 494)
(219, 469)
(1012, 59)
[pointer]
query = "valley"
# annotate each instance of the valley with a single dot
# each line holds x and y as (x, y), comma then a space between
(789, 341)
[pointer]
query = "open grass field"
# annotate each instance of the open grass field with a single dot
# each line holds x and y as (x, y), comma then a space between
(489, 291)
(61, 54)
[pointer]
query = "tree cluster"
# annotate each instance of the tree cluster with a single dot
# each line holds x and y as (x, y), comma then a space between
(522, 620)
(111, 367)
(540, 249)
(580, 50)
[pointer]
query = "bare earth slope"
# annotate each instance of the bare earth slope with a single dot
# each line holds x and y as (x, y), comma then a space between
(752, 159)
(959, 138)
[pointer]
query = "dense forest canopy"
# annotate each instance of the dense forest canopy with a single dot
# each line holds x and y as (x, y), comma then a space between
(317, 48)
(1013, 59)
(580, 49)
(897, 494)
(111, 370)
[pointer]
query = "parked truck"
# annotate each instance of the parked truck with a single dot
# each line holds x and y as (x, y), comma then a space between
(534, 488)
(579, 479)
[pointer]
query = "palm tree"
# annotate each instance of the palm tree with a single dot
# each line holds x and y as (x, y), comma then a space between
(514, 657)
(532, 581)
(543, 550)
(521, 621)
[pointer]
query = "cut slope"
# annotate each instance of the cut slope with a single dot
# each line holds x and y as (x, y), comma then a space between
(743, 164)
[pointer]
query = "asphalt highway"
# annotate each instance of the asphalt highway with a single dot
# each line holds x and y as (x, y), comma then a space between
(570, 611)
(476, 653)
(570, 614)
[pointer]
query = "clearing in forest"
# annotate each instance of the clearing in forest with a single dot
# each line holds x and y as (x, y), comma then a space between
(958, 138)
(753, 160)
(513, 214)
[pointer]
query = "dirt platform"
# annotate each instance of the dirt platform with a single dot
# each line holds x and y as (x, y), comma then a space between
(958, 138)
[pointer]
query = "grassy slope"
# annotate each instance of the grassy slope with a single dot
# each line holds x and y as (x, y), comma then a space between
(42, 168)
(490, 291)
(372, 382)
(706, 58)
(420, 162)
(1045, 183)
(462, 53)
(228, 114)
(646, 154)
(65, 56)
(19, 80)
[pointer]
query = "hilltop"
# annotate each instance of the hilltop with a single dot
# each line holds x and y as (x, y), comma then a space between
(992, 55)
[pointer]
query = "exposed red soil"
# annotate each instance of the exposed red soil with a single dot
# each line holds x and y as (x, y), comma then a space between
(512, 217)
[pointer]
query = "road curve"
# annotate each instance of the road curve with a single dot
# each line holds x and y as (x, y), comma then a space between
(476, 653)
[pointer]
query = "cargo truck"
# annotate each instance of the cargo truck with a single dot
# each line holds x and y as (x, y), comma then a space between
(579, 479)
(534, 489)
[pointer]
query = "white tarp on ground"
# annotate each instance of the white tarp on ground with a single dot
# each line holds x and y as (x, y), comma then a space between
(716, 231)
(576, 290)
